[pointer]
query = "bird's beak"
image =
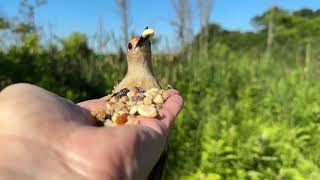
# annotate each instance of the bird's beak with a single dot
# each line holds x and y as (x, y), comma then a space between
(141, 41)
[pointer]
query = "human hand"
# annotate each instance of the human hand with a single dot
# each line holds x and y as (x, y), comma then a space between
(44, 136)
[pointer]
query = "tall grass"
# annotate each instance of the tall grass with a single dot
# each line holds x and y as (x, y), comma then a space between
(245, 116)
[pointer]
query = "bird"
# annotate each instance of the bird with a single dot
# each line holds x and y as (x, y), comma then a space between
(140, 74)
(139, 70)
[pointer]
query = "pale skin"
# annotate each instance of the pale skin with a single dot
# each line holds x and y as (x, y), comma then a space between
(44, 136)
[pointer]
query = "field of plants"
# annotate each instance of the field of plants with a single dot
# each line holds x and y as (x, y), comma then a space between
(252, 108)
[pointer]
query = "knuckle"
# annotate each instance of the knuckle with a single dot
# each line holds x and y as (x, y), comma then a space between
(16, 88)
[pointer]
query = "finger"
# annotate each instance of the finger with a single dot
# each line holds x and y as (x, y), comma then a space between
(171, 109)
(93, 104)
(173, 92)
(39, 109)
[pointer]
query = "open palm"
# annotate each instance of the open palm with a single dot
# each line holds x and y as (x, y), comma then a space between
(44, 136)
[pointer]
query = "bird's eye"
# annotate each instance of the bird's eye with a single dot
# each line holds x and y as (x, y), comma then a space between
(129, 46)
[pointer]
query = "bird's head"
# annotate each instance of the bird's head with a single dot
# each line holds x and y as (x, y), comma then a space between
(139, 47)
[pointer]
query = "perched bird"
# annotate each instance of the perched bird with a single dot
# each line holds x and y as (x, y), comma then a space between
(139, 72)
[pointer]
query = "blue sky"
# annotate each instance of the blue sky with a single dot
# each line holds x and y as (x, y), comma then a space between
(82, 15)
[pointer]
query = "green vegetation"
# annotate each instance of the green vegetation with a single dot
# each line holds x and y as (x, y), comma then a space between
(251, 109)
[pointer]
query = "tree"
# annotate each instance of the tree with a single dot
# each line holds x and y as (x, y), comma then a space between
(123, 8)
(4, 24)
(204, 8)
(26, 25)
(183, 21)
(305, 13)
(76, 44)
(27, 10)
(23, 28)
(275, 12)
(269, 21)
(101, 37)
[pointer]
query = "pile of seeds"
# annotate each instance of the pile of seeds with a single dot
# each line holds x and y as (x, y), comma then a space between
(125, 105)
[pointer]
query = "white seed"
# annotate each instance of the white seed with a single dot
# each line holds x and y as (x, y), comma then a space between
(158, 99)
(132, 120)
(148, 32)
(147, 111)
(133, 110)
(109, 123)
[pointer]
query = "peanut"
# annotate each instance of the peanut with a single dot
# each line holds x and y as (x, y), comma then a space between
(147, 111)
(158, 99)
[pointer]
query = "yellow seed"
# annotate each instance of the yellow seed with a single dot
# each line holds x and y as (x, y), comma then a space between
(133, 110)
(158, 99)
(93, 113)
(165, 95)
(114, 117)
(153, 93)
(147, 101)
(101, 115)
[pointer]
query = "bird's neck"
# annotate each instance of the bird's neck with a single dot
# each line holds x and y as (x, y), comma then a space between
(140, 68)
